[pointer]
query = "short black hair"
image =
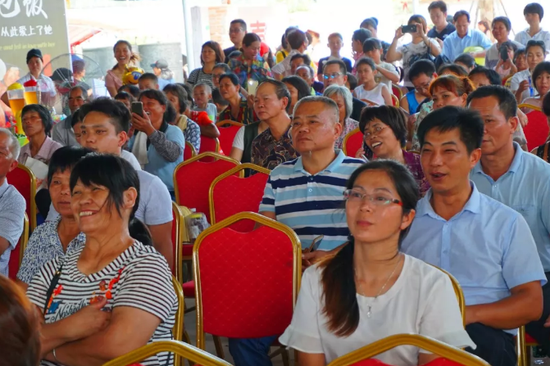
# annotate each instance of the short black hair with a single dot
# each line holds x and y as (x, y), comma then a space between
(371, 44)
(546, 105)
(460, 13)
(366, 61)
(438, 5)
(544, 66)
(241, 22)
(352, 81)
(421, 67)
(361, 35)
(109, 171)
(303, 56)
(280, 90)
(467, 121)
(454, 69)
(65, 158)
(492, 75)
(340, 63)
(117, 112)
(534, 43)
(149, 76)
(391, 116)
(82, 90)
(76, 117)
(534, 8)
(131, 89)
(180, 93)
(43, 113)
(296, 39)
(125, 96)
(503, 20)
(466, 59)
(506, 100)
(301, 86)
(231, 76)
(250, 38)
(154, 94)
(519, 52)
(369, 22)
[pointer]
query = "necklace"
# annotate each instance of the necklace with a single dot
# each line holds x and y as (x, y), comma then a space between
(369, 306)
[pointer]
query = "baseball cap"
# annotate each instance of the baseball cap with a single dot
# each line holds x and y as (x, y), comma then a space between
(160, 64)
(34, 53)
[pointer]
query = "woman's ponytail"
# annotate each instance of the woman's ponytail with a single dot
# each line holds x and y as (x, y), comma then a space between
(139, 231)
(338, 279)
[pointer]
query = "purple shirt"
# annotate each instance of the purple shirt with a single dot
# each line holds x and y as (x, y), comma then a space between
(412, 161)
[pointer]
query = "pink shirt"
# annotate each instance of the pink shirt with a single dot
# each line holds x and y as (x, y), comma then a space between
(112, 80)
(44, 154)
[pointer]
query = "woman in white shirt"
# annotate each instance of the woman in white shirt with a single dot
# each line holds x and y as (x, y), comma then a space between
(370, 290)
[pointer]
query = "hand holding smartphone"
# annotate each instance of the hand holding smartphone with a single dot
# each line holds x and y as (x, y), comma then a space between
(314, 244)
(137, 108)
(408, 28)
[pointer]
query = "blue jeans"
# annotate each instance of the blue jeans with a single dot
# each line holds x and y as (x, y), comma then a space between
(251, 351)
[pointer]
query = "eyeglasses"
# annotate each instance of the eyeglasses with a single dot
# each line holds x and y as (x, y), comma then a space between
(374, 131)
(334, 75)
(422, 88)
(355, 196)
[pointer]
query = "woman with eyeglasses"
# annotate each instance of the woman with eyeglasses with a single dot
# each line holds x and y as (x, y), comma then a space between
(370, 290)
(385, 131)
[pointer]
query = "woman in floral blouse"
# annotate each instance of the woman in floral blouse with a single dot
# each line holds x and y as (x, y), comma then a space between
(385, 132)
(238, 109)
(250, 65)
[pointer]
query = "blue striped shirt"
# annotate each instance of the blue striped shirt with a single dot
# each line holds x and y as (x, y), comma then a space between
(311, 205)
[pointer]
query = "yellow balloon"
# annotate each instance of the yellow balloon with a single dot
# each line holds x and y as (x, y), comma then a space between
(15, 86)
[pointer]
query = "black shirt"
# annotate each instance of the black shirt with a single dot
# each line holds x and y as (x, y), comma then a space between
(228, 51)
(444, 33)
(358, 106)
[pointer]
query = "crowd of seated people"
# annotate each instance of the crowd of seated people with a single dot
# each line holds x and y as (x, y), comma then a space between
(439, 178)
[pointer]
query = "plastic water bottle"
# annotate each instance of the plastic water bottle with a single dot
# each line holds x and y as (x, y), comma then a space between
(531, 91)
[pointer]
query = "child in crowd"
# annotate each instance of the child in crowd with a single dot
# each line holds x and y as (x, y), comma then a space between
(421, 74)
(387, 74)
(202, 94)
(335, 43)
(520, 59)
(369, 89)
(352, 82)
(506, 68)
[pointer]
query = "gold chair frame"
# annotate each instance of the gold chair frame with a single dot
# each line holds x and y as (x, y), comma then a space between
(191, 147)
(346, 138)
(530, 106)
(395, 100)
(240, 169)
(459, 294)
(179, 221)
(181, 349)
(264, 221)
(426, 343)
(34, 209)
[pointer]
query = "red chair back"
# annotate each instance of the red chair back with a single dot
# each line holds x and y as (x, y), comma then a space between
(193, 177)
(246, 283)
(209, 144)
(16, 255)
(24, 181)
(396, 90)
(352, 142)
(536, 131)
(189, 151)
(230, 194)
(437, 362)
(227, 135)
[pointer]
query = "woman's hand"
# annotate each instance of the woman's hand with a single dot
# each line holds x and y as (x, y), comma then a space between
(360, 154)
(89, 320)
(420, 30)
(142, 123)
(398, 34)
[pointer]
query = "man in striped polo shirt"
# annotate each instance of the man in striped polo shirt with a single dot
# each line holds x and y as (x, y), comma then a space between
(306, 194)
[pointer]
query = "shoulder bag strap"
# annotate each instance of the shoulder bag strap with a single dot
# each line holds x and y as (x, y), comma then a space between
(53, 285)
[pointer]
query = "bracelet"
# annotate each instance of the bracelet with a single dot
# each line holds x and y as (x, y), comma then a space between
(55, 356)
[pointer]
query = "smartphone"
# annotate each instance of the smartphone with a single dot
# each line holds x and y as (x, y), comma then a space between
(315, 244)
(137, 108)
(252, 86)
(408, 28)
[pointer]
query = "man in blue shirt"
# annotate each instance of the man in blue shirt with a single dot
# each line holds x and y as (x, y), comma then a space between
(486, 245)
(463, 37)
(516, 178)
(307, 195)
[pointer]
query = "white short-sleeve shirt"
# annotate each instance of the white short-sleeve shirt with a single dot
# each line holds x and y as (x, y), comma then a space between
(238, 140)
(422, 301)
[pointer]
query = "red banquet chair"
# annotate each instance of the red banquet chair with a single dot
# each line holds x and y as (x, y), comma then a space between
(228, 130)
(246, 290)
(209, 144)
(536, 131)
(16, 255)
(353, 141)
(189, 151)
(450, 356)
(396, 90)
(24, 181)
(192, 180)
(230, 194)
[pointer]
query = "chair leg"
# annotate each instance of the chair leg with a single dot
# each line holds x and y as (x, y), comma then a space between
(286, 358)
(219, 347)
